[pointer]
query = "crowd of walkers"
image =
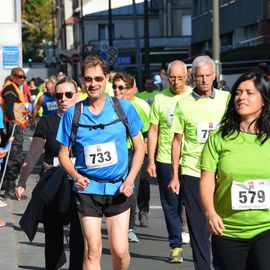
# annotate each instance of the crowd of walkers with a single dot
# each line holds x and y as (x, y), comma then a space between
(104, 141)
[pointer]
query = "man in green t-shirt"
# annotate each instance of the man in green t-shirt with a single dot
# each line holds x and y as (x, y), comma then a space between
(159, 152)
(149, 91)
(195, 117)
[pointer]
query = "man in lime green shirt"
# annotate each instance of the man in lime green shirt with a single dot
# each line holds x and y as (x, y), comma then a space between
(195, 117)
(149, 91)
(160, 138)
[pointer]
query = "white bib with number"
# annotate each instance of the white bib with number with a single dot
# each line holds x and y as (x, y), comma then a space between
(100, 155)
(169, 115)
(251, 194)
(52, 105)
(204, 129)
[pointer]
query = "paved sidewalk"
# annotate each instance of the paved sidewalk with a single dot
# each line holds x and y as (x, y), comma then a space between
(8, 254)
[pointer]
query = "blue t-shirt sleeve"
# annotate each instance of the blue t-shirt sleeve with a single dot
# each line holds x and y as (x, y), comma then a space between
(133, 117)
(64, 129)
(1, 119)
(7, 146)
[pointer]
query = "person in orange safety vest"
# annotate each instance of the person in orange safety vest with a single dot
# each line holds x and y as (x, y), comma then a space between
(15, 113)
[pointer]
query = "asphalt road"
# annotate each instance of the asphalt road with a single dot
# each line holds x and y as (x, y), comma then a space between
(150, 253)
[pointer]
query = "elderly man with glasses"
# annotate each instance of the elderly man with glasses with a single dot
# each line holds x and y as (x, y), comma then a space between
(15, 113)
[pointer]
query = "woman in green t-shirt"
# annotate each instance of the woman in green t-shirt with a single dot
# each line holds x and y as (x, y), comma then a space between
(235, 178)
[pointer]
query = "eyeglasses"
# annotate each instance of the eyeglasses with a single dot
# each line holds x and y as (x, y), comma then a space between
(174, 78)
(90, 79)
(20, 76)
(120, 87)
(68, 95)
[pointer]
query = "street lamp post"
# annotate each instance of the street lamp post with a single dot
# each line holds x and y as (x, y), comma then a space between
(110, 25)
(137, 43)
(82, 30)
(216, 39)
(146, 40)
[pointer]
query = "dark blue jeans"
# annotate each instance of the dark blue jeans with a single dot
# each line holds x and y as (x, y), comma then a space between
(171, 204)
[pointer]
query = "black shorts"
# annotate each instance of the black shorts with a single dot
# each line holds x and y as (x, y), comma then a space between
(98, 205)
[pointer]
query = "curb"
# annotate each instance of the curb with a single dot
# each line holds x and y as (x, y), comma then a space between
(8, 249)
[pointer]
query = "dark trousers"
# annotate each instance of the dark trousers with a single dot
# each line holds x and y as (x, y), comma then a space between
(134, 198)
(53, 222)
(241, 254)
(171, 204)
(197, 225)
(143, 198)
(16, 156)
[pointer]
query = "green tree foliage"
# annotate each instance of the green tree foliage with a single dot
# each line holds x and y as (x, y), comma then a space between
(38, 27)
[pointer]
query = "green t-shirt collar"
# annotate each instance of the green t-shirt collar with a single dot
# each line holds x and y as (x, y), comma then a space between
(198, 96)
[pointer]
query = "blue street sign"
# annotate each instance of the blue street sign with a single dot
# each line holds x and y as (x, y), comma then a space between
(124, 60)
(10, 57)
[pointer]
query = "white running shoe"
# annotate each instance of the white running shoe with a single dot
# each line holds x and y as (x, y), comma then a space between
(132, 237)
(185, 238)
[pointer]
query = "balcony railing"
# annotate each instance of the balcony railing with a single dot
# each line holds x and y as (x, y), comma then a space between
(263, 39)
(165, 42)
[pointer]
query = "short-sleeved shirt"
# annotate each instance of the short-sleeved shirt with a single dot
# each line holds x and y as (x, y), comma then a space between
(1, 119)
(195, 118)
(49, 104)
(143, 109)
(148, 96)
(161, 114)
(239, 158)
(47, 129)
(101, 154)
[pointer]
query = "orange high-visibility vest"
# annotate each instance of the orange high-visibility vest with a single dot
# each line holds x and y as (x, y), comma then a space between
(19, 109)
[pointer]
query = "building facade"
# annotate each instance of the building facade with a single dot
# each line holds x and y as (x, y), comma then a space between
(129, 31)
(244, 30)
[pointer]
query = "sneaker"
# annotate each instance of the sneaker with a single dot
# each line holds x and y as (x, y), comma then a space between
(10, 194)
(132, 237)
(144, 219)
(185, 238)
(3, 202)
(2, 223)
(176, 255)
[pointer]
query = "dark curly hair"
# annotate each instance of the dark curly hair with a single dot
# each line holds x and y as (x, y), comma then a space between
(127, 78)
(230, 123)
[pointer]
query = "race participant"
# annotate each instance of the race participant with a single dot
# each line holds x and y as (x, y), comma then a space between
(143, 193)
(47, 101)
(124, 87)
(102, 183)
(194, 118)
(49, 213)
(149, 91)
(235, 178)
(160, 138)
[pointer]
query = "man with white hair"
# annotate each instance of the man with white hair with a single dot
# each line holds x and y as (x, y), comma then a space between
(195, 117)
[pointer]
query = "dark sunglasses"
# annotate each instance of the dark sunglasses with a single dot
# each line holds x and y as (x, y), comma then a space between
(90, 79)
(68, 95)
(20, 76)
(120, 87)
